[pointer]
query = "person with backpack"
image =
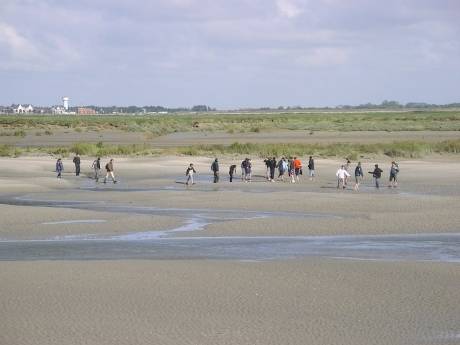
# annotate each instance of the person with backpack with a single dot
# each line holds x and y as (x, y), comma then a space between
(76, 161)
(189, 173)
(376, 174)
(358, 175)
(59, 168)
(232, 171)
(96, 166)
(311, 168)
(215, 170)
(109, 169)
(394, 170)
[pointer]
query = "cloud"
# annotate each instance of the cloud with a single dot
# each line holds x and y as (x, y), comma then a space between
(17, 50)
(219, 49)
(288, 8)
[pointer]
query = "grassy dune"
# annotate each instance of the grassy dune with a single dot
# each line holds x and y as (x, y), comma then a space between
(401, 149)
(156, 125)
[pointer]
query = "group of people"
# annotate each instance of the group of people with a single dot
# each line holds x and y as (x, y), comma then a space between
(96, 166)
(291, 166)
(343, 175)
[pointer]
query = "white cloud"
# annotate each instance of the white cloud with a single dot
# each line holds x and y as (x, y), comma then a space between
(16, 44)
(288, 8)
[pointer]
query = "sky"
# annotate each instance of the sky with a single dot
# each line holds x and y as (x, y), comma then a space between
(229, 53)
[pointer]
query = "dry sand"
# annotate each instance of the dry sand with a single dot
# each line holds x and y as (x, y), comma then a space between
(311, 301)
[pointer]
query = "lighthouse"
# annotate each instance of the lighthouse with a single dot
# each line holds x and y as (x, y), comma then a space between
(65, 101)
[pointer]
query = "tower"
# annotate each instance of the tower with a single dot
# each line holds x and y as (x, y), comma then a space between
(65, 101)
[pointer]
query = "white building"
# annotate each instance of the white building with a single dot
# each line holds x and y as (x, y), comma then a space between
(59, 110)
(23, 109)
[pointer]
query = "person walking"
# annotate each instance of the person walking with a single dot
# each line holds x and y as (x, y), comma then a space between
(347, 168)
(297, 168)
(341, 174)
(358, 175)
(394, 170)
(243, 169)
(267, 168)
(76, 161)
(189, 173)
(215, 170)
(291, 169)
(109, 169)
(232, 171)
(248, 170)
(96, 166)
(376, 174)
(311, 168)
(59, 168)
(282, 167)
(272, 167)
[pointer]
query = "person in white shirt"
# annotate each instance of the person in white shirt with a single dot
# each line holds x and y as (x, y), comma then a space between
(341, 174)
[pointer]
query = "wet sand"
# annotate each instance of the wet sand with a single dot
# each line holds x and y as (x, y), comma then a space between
(215, 302)
(234, 301)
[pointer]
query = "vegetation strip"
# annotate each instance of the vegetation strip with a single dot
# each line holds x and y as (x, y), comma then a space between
(402, 149)
(155, 125)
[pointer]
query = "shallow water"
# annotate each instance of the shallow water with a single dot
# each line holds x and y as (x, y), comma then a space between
(161, 245)
(429, 247)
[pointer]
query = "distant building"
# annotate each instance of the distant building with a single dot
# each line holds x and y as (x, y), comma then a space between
(58, 110)
(86, 111)
(19, 109)
(5, 110)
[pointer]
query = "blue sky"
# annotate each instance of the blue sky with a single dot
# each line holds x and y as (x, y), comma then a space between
(229, 54)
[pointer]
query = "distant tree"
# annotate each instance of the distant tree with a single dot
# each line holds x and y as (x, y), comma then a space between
(390, 104)
(201, 108)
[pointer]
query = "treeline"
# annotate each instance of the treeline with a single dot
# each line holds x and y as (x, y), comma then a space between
(133, 109)
(396, 105)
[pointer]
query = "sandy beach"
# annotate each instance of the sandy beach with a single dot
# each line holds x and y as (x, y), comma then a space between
(228, 301)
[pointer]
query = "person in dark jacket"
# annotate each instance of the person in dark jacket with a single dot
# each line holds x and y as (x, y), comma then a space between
(232, 171)
(59, 168)
(272, 166)
(76, 161)
(376, 174)
(358, 175)
(97, 168)
(311, 168)
(215, 170)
